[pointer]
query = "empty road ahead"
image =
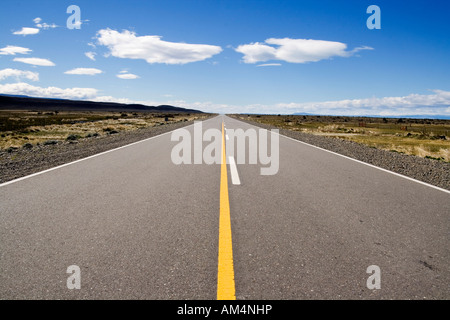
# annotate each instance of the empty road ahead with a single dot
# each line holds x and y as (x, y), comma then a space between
(141, 227)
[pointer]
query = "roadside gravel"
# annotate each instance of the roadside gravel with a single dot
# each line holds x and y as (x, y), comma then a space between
(431, 171)
(23, 162)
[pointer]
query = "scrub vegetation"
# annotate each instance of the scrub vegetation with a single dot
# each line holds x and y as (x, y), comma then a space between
(427, 138)
(25, 129)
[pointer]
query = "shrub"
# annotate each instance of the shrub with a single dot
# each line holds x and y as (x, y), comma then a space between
(72, 137)
(433, 158)
(89, 135)
(50, 142)
(27, 146)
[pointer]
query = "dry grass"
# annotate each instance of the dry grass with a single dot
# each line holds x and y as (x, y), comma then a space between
(423, 138)
(18, 128)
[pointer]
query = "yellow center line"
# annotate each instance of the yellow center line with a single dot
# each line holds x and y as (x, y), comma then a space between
(225, 274)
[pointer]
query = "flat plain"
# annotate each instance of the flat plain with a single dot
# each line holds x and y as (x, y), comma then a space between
(427, 138)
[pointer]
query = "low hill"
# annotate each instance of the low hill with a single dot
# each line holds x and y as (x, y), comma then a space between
(8, 102)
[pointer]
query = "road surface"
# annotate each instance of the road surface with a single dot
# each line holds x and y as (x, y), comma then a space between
(141, 227)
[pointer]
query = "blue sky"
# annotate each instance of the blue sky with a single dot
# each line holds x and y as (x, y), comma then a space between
(233, 56)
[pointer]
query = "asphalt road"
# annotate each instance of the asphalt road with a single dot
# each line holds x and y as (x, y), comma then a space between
(141, 227)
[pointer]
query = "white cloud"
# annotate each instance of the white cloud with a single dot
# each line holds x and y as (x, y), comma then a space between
(91, 55)
(357, 49)
(84, 71)
(257, 52)
(46, 26)
(6, 73)
(127, 76)
(295, 50)
(26, 31)
(35, 61)
(436, 103)
(152, 49)
(49, 92)
(122, 100)
(43, 25)
(12, 50)
(269, 65)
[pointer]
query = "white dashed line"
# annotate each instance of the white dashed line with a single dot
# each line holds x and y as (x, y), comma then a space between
(234, 173)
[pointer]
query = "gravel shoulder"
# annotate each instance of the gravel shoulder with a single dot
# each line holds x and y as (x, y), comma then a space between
(23, 162)
(431, 171)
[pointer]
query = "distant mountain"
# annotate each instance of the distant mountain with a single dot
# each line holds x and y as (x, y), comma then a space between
(11, 102)
(14, 95)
